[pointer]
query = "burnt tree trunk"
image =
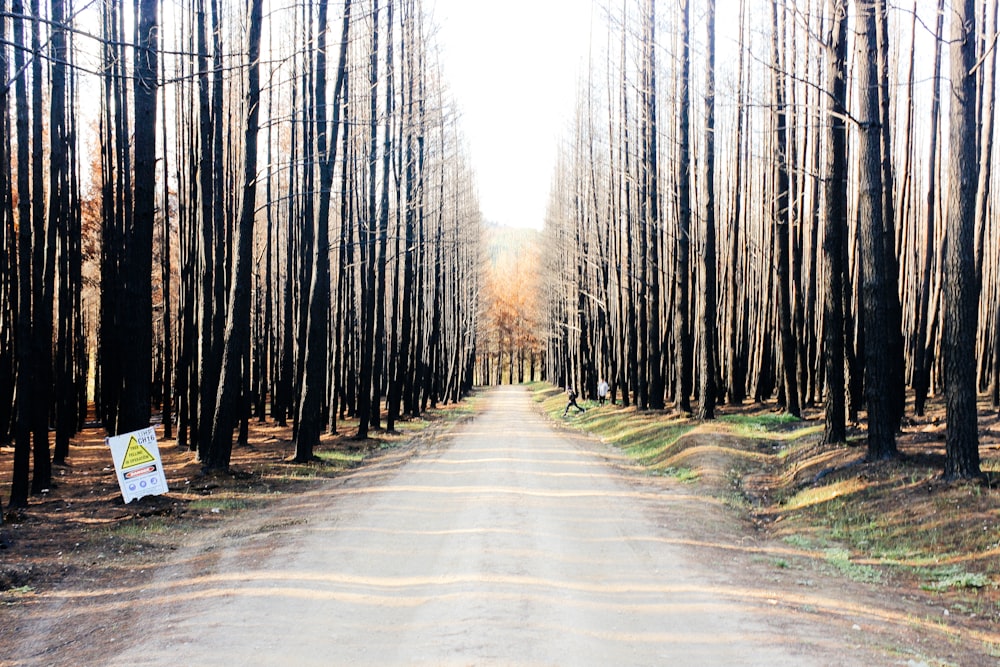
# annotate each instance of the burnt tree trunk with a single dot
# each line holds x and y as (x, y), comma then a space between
(227, 403)
(835, 223)
(315, 350)
(875, 316)
(708, 371)
(960, 286)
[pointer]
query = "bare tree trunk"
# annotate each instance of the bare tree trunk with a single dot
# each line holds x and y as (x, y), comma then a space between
(344, 329)
(20, 485)
(315, 349)
(897, 365)
(708, 371)
(835, 223)
(878, 395)
(737, 371)
(782, 221)
(137, 291)
(412, 201)
(923, 349)
(379, 366)
(682, 329)
(61, 219)
(651, 204)
(166, 275)
(628, 223)
(987, 111)
(207, 352)
(8, 259)
(960, 286)
(186, 380)
(238, 309)
(43, 275)
(368, 245)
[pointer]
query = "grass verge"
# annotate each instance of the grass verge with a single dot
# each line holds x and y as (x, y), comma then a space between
(895, 524)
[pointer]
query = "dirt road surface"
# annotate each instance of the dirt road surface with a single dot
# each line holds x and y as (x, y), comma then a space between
(507, 542)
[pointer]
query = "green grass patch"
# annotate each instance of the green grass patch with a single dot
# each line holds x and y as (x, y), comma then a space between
(761, 421)
(651, 443)
(759, 424)
(452, 411)
(796, 540)
(954, 576)
(341, 458)
(136, 530)
(219, 503)
(840, 559)
(883, 523)
(647, 438)
(680, 473)
(778, 426)
(821, 495)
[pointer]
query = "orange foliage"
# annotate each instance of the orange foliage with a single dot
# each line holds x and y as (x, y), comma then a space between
(511, 302)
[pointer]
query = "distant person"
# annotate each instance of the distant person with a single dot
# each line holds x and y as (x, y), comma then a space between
(602, 391)
(571, 394)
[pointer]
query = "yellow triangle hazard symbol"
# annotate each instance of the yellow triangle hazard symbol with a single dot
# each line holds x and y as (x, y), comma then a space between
(136, 454)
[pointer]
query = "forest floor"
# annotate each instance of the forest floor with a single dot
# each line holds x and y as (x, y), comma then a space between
(929, 549)
(82, 530)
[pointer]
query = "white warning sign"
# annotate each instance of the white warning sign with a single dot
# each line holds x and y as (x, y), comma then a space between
(137, 463)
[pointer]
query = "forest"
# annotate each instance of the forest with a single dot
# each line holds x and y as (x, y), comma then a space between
(215, 212)
(787, 201)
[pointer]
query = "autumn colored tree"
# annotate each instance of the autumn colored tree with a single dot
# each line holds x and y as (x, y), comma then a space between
(511, 310)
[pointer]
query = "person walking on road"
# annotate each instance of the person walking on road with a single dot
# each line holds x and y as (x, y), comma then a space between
(571, 393)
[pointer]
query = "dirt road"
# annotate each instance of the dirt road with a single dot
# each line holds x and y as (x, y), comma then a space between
(510, 542)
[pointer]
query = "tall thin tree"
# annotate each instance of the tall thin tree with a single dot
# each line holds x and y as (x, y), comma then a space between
(682, 334)
(835, 222)
(708, 371)
(315, 350)
(961, 289)
(19, 487)
(227, 403)
(138, 259)
(878, 395)
(781, 214)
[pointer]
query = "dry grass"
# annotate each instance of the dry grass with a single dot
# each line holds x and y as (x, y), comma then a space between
(82, 530)
(893, 523)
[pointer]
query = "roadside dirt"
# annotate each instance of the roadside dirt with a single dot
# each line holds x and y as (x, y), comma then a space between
(86, 577)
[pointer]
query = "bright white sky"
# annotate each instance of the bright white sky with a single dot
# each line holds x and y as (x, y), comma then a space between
(513, 67)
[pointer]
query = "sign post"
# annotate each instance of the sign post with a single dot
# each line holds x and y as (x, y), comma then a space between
(137, 464)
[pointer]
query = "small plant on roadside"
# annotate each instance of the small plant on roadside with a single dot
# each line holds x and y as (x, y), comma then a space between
(135, 530)
(800, 541)
(953, 576)
(840, 559)
(217, 504)
(337, 457)
(757, 425)
(681, 474)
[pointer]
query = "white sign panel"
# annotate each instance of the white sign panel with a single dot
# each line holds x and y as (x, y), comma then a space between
(137, 462)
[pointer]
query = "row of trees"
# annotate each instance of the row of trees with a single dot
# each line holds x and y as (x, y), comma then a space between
(279, 222)
(775, 225)
(510, 348)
